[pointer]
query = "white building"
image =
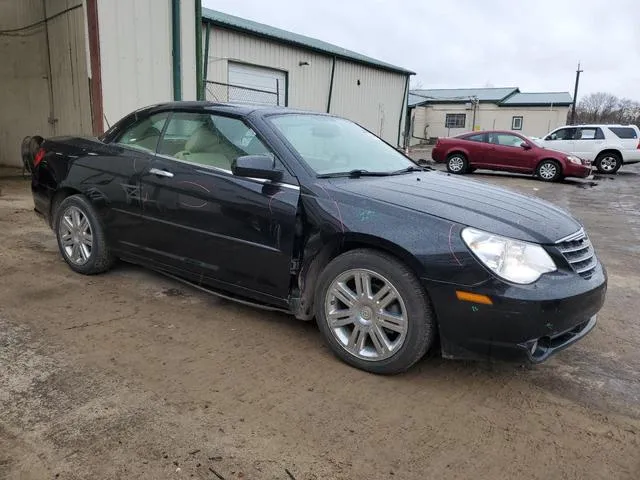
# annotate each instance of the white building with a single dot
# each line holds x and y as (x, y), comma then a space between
(448, 112)
(78, 66)
(251, 62)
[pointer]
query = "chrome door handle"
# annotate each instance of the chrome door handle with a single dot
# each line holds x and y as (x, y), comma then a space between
(161, 173)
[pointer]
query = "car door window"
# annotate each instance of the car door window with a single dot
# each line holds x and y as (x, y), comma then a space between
(562, 134)
(587, 134)
(476, 138)
(209, 140)
(144, 135)
(505, 140)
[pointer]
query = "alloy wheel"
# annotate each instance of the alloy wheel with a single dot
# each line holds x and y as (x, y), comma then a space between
(608, 164)
(366, 314)
(76, 236)
(456, 164)
(548, 171)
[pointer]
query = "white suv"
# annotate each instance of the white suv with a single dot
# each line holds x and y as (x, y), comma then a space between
(607, 146)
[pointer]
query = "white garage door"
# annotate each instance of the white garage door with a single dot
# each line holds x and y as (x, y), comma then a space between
(251, 84)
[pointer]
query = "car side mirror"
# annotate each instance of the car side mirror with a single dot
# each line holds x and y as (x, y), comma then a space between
(256, 166)
(525, 145)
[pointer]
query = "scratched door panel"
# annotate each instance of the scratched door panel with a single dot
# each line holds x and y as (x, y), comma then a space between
(236, 233)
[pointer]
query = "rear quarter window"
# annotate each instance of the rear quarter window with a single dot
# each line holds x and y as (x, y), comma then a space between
(624, 132)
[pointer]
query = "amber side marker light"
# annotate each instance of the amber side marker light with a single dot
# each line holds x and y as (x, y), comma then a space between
(473, 297)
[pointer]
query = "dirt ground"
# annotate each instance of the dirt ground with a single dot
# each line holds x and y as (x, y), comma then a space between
(131, 375)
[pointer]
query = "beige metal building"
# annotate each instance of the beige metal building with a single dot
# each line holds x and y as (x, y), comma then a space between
(251, 62)
(448, 112)
(77, 66)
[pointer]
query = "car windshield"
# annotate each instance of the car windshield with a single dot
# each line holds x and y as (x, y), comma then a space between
(334, 146)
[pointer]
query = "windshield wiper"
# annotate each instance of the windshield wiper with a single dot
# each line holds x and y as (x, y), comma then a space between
(412, 168)
(357, 173)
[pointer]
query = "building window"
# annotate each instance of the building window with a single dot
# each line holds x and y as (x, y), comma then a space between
(455, 120)
(516, 123)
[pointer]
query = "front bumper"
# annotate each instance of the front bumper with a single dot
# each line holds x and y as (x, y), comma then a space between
(525, 323)
(580, 171)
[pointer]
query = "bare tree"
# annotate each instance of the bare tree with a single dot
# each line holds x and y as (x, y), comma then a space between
(602, 107)
(416, 84)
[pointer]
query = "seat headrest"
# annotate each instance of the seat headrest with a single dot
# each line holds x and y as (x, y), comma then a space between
(201, 140)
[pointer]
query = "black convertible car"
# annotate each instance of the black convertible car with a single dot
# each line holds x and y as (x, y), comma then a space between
(311, 214)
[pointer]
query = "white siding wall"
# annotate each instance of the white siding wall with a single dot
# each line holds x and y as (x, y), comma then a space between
(24, 76)
(376, 103)
(135, 51)
(72, 106)
(536, 120)
(188, 43)
(308, 84)
(135, 55)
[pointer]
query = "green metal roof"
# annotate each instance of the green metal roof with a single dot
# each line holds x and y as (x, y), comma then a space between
(277, 34)
(542, 99)
(461, 95)
(507, 96)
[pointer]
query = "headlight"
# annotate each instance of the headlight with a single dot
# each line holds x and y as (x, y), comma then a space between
(574, 159)
(513, 260)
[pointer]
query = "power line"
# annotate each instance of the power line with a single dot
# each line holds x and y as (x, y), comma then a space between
(17, 31)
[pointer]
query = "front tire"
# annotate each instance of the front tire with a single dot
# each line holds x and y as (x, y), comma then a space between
(608, 163)
(81, 237)
(373, 312)
(549, 171)
(457, 163)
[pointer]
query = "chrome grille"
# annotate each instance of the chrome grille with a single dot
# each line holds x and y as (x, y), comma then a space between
(578, 251)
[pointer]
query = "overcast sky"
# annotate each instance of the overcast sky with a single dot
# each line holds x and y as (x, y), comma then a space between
(534, 45)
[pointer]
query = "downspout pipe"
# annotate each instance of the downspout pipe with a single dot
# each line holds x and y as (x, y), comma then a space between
(333, 71)
(199, 58)
(205, 74)
(176, 49)
(405, 102)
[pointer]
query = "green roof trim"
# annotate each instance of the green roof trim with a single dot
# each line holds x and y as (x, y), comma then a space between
(248, 26)
(503, 97)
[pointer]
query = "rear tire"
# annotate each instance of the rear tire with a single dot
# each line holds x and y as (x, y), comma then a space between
(81, 237)
(373, 312)
(608, 163)
(457, 163)
(549, 171)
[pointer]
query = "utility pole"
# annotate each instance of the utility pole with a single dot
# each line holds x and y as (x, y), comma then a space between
(575, 96)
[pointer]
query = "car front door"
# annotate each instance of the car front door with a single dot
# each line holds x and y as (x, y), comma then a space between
(232, 233)
(561, 139)
(588, 142)
(507, 153)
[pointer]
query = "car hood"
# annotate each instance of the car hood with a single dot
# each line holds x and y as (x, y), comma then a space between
(469, 203)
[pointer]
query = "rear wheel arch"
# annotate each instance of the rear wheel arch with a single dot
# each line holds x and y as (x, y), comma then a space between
(58, 198)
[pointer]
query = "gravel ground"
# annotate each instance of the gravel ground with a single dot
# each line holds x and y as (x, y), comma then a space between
(132, 375)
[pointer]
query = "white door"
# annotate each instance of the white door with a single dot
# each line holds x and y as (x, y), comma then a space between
(589, 142)
(252, 84)
(561, 139)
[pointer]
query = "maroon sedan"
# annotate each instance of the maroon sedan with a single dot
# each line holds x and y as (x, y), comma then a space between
(507, 151)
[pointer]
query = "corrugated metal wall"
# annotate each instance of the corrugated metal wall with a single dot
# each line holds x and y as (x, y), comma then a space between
(377, 103)
(135, 52)
(373, 98)
(69, 72)
(308, 84)
(28, 96)
(24, 94)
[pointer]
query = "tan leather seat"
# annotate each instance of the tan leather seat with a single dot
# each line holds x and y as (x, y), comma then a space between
(204, 147)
